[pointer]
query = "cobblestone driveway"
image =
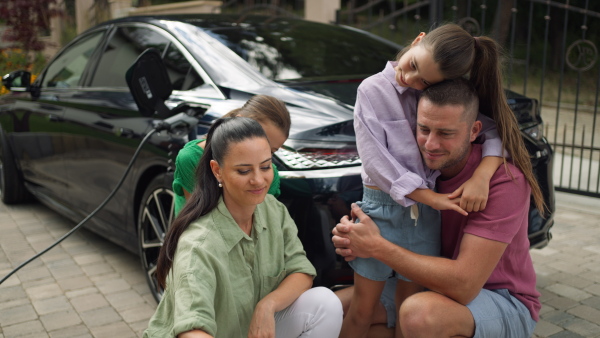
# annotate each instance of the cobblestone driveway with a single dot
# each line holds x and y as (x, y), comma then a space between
(89, 287)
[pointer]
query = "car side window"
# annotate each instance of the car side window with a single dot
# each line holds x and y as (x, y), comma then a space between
(67, 69)
(182, 74)
(122, 50)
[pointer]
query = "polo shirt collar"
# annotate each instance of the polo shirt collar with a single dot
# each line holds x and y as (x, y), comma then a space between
(230, 231)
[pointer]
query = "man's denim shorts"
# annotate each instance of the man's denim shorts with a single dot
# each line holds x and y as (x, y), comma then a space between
(421, 236)
(496, 313)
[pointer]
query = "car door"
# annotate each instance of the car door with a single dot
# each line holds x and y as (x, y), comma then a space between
(39, 143)
(107, 127)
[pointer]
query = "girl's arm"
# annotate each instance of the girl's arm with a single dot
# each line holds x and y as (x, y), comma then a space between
(263, 319)
(474, 192)
(386, 144)
(437, 201)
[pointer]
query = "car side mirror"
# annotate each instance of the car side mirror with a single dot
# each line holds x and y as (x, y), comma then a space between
(17, 81)
(149, 83)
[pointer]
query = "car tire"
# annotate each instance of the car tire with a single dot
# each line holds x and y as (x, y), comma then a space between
(12, 188)
(155, 216)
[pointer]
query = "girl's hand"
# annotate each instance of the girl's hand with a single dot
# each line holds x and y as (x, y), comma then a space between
(444, 202)
(473, 194)
(437, 201)
(262, 324)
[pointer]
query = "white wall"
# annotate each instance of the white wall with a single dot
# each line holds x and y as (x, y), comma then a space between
(321, 10)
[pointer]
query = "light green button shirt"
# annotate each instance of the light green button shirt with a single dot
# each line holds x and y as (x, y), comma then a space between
(220, 273)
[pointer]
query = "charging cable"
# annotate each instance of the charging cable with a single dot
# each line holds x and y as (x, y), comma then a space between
(177, 124)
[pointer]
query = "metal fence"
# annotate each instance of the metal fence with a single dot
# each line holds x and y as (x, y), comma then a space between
(551, 55)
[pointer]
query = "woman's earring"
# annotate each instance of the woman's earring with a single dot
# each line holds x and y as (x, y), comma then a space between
(220, 184)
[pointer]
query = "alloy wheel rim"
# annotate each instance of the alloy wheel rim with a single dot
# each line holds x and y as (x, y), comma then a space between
(155, 220)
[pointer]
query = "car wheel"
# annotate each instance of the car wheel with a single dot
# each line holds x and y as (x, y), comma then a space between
(12, 189)
(155, 216)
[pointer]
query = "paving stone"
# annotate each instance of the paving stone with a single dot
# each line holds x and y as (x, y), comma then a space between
(139, 327)
(104, 277)
(587, 313)
(118, 329)
(136, 277)
(38, 282)
(17, 314)
(74, 283)
(593, 289)
(60, 320)
(561, 303)
(125, 299)
(13, 303)
(568, 291)
(558, 317)
(77, 331)
(546, 329)
(88, 258)
(44, 291)
(30, 273)
(79, 292)
(583, 327)
(138, 313)
(566, 334)
(593, 302)
(113, 285)
(65, 271)
(10, 293)
(89, 302)
(100, 317)
(49, 305)
(30, 328)
(97, 269)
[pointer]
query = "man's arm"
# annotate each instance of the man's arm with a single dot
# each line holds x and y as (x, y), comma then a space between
(460, 279)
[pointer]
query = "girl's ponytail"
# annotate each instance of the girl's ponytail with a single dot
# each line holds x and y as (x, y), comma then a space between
(457, 54)
(486, 77)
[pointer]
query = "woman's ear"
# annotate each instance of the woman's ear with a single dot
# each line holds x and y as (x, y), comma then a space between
(216, 169)
(418, 38)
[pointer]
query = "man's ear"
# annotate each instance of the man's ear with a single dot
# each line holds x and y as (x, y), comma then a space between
(418, 39)
(475, 130)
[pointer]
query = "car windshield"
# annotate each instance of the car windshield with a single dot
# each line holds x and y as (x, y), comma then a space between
(299, 51)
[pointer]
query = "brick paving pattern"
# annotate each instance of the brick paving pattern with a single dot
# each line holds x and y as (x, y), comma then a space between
(89, 287)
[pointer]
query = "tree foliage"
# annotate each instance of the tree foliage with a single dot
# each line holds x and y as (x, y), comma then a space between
(26, 20)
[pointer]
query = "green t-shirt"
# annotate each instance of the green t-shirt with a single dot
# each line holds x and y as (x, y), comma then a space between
(220, 273)
(185, 173)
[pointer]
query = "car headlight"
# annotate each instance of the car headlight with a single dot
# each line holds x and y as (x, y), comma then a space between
(534, 131)
(298, 155)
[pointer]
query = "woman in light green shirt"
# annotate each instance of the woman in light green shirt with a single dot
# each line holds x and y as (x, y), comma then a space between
(272, 115)
(232, 264)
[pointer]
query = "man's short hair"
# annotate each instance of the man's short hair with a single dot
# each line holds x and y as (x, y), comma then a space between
(457, 92)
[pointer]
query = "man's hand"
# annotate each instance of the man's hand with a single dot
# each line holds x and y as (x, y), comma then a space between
(356, 239)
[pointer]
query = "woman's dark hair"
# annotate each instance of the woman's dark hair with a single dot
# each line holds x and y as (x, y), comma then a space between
(221, 135)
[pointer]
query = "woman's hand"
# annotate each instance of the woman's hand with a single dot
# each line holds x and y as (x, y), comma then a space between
(262, 324)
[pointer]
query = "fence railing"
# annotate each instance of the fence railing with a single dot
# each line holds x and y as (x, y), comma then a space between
(552, 56)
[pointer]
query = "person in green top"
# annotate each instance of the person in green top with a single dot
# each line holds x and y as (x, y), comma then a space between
(232, 265)
(272, 115)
